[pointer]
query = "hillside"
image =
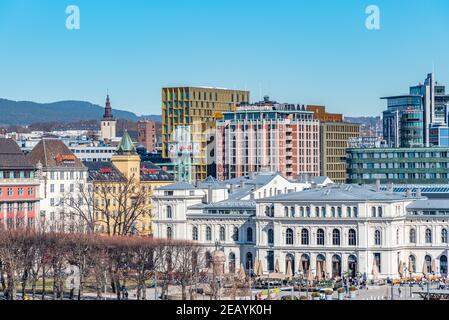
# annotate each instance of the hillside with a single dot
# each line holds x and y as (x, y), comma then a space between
(26, 112)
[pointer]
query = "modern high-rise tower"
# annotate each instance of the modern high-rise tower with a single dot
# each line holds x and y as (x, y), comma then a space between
(410, 118)
(191, 113)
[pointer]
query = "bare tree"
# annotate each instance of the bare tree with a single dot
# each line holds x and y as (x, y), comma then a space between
(188, 264)
(113, 207)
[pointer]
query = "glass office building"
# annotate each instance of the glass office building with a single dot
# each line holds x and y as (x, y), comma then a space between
(398, 165)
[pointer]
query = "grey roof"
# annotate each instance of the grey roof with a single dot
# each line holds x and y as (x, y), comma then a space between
(103, 171)
(429, 204)
(151, 172)
(338, 193)
(319, 179)
(259, 179)
(232, 204)
(11, 157)
(212, 182)
(177, 186)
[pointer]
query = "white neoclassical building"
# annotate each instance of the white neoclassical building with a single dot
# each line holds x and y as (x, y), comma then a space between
(335, 230)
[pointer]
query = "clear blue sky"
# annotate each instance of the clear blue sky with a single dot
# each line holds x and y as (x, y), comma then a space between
(305, 51)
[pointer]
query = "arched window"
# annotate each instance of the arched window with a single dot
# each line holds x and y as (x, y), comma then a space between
(373, 212)
(323, 212)
(270, 236)
(292, 211)
(169, 233)
(249, 235)
(305, 237)
(231, 265)
(352, 237)
(428, 260)
(380, 212)
(289, 237)
(235, 234)
(222, 234)
(308, 212)
(336, 237)
(355, 211)
(412, 264)
(195, 234)
(428, 236)
(317, 212)
(249, 261)
(301, 210)
(209, 259)
(169, 212)
(333, 212)
(412, 236)
(272, 211)
(348, 212)
(377, 238)
(443, 265)
(444, 237)
(340, 214)
(320, 237)
(286, 211)
(208, 234)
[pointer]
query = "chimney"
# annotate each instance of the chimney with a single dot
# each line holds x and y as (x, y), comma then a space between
(418, 193)
(252, 196)
(314, 185)
(242, 184)
(279, 192)
(209, 194)
(409, 192)
(231, 188)
(390, 187)
(378, 185)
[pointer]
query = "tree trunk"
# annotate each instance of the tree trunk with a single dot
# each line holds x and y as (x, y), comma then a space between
(2, 278)
(183, 290)
(24, 283)
(43, 283)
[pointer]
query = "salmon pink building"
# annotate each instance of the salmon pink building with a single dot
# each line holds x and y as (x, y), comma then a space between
(269, 136)
(19, 198)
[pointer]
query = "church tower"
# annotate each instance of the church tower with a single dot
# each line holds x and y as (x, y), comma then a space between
(108, 124)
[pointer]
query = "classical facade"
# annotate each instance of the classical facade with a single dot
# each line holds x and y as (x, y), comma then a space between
(329, 230)
(217, 211)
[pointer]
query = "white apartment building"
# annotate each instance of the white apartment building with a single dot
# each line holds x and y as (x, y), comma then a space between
(93, 153)
(61, 176)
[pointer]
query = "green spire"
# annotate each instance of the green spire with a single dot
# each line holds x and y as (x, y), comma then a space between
(126, 145)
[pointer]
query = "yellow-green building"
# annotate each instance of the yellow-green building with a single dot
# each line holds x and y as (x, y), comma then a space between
(192, 112)
(334, 138)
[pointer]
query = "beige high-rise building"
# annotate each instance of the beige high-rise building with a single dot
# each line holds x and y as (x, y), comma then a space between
(194, 111)
(334, 138)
